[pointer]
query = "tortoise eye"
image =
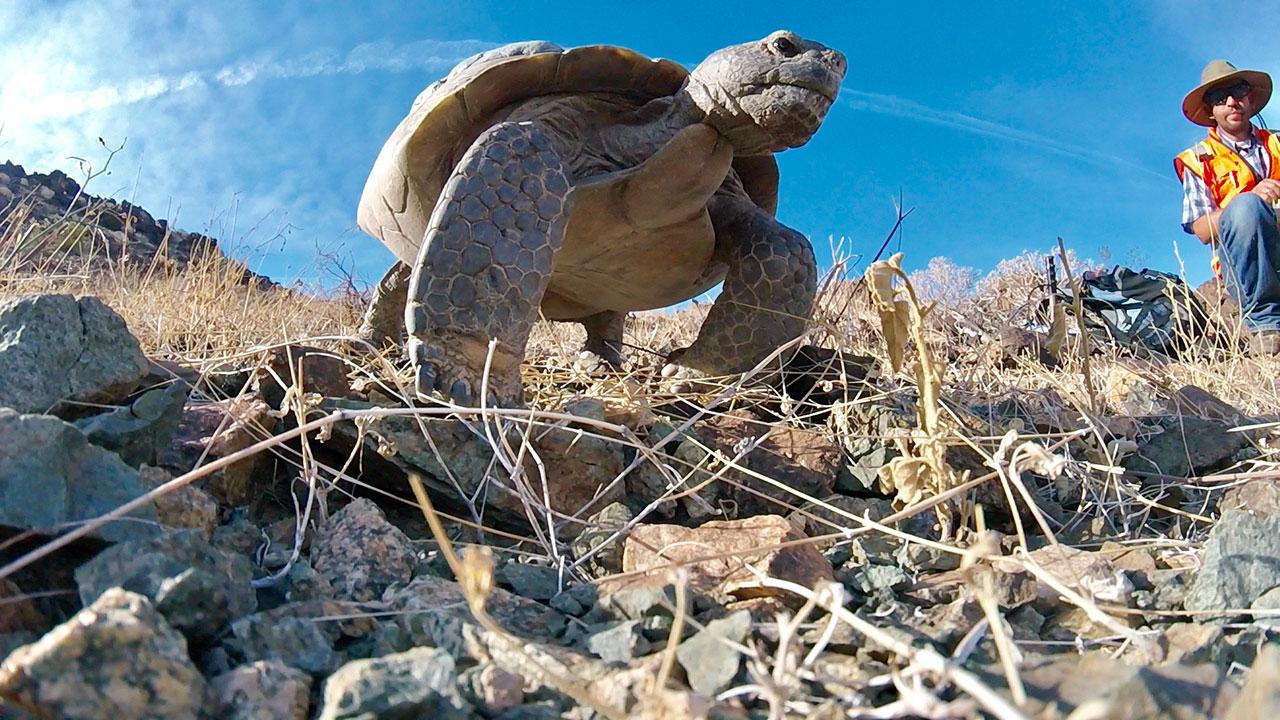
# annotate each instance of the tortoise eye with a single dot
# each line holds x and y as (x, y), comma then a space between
(785, 47)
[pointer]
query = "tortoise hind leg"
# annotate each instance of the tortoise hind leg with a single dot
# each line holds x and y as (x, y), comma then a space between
(767, 296)
(604, 336)
(485, 262)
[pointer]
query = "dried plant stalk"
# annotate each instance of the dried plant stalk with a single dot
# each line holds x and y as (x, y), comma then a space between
(921, 471)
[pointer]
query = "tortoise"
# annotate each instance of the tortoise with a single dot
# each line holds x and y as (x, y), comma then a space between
(583, 184)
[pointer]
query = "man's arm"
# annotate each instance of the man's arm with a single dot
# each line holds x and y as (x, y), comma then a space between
(1205, 227)
(1199, 212)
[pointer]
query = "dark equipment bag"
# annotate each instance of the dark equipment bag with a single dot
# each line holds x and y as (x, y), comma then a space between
(1143, 310)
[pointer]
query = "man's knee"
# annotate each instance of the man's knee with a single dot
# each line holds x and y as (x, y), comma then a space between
(1247, 211)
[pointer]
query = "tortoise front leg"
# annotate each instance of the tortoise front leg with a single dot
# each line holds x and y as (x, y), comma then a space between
(767, 296)
(485, 263)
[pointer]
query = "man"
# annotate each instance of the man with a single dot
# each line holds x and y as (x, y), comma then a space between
(1231, 181)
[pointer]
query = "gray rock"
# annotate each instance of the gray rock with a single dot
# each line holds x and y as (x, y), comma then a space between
(115, 659)
(1241, 562)
(866, 431)
(11, 641)
(293, 641)
(50, 474)
(1260, 697)
(1187, 445)
(361, 554)
(576, 466)
(545, 710)
(597, 530)
(185, 507)
(1268, 601)
(1114, 690)
(139, 432)
(633, 602)
(261, 691)
(618, 643)
(197, 587)
(491, 688)
(878, 577)
(415, 683)
(54, 349)
(536, 582)
(709, 659)
(434, 610)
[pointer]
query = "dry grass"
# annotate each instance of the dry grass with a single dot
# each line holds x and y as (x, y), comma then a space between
(205, 315)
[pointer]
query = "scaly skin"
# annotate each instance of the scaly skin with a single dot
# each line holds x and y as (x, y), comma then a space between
(767, 295)
(485, 264)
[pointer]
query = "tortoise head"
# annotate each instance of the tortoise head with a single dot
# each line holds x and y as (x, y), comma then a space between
(768, 95)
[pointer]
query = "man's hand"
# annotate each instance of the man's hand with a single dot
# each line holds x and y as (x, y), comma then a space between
(1268, 190)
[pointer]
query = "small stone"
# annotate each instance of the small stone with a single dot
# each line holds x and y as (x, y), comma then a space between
(618, 643)
(117, 658)
(140, 431)
(50, 475)
(304, 583)
(1182, 446)
(1269, 602)
(314, 370)
(198, 587)
(55, 348)
(1260, 697)
(1238, 565)
(186, 507)
(633, 601)
(214, 430)
(567, 604)
(361, 554)
(415, 683)
(536, 582)
(491, 688)
(880, 577)
(1257, 497)
(751, 541)
(19, 614)
(296, 642)
(1088, 573)
(710, 658)
(798, 460)
(430, 599)
(599, 529)
(262, 691)
(1191, 643)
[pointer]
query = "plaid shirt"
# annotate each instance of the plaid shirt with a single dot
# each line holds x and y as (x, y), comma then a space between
(1196, 199)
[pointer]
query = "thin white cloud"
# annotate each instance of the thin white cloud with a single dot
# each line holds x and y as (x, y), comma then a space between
(912, 110)
(34, 102)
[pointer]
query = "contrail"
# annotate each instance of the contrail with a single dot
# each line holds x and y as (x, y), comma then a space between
(911, 110)
(424, 54)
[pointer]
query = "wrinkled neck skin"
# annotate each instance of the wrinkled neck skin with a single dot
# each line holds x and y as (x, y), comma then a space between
(695, 102)
(719, 109)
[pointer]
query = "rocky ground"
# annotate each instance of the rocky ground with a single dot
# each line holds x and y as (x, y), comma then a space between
(246, 543)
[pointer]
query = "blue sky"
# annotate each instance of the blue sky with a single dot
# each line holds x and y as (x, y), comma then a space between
(1004, 124)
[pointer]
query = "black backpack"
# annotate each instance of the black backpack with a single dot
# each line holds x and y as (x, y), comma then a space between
(1143, 310)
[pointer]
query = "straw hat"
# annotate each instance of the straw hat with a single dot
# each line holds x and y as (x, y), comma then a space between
(1221, 72)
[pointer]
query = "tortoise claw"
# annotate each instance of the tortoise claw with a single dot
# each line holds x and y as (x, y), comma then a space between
(424, 380)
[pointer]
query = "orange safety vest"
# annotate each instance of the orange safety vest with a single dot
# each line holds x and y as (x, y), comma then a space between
(1224, 171)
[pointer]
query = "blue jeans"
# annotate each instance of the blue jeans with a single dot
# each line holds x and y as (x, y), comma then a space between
(1251, 260)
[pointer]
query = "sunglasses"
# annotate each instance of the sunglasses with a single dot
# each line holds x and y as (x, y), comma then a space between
(1219, 95)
